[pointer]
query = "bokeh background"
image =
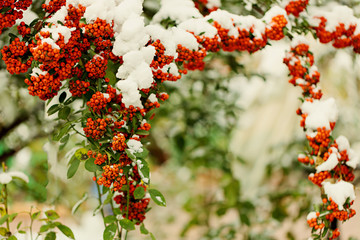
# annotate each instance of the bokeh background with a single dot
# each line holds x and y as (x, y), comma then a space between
(223, 148)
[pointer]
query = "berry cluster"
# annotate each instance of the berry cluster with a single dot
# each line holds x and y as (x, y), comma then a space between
(330, 28)
(13, 10)
(137, 207)
(295, 7)
(13, 56)
(53, 6)
(333, 160)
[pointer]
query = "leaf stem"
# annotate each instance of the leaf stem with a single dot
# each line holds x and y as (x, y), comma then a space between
(99, 197)
(6, 199)
(117, 221)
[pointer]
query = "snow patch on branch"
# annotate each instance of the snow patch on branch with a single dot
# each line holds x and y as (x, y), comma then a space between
(320, 113)
(339, 192)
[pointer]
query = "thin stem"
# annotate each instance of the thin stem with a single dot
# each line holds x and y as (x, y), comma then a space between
(6, 200)
(72, 126)
(31, 223)
(117, 222)
(127, 204)
(100, 202)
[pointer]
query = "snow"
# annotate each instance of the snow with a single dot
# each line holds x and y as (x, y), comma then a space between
(100, 9)
(299, 39)
(339, 192)
(311, 215)
(273, 12)
(7, 177)
(58, 16)
(223, 17)
(330, 163)
(320, 113)
(130, 93)
(343, 143)
(136, 73)
(134, 146)
(51, 42)
(131, 37)
(301, 155)
(186, 39)
(338, 14)
(354, 159)
(199, 26)
(37, 72)
(213, 3)
(153, 98)
(28, 17)
(159, 199)
(125, 9)
(56, 30)
(250, 22)
(177, 10)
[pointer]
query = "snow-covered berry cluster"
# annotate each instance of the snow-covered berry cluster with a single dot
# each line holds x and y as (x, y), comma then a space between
(333, 160)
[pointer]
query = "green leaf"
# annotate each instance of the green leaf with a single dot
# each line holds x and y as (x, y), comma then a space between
(139, 193)
(157, 197)
(64, 130)
(62, 97)
(110, 219)
(65, 139)
(81, 154)
(66, 231)
(129, 154)
(91, 166)
(3, 219)
(52, 215)
(152, 236)
(127, 224)
(142, 154)
(18, 225)
(142, 132)
(108, 198)
(50, 236)
(64, 112)
(143, 230)
(78, 203)
(3, 231)
(12, 216)
(35, 215)
(53, 109)
(45, 228)
(12, 237)
(74, 165)
(232, 192)
(109, 232)
(244, 219)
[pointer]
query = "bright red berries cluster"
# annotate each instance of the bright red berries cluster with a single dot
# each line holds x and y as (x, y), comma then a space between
(96, 67)
(137, 207)
(13, 54)
(204, 8)
(78, 87)
(275, 30)
(53, 5)
(23, 29)
(98, 102)
(118, 143)
(341, 36)
(295, 7)
(95, 128)
(14, 11)
(43, 85)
